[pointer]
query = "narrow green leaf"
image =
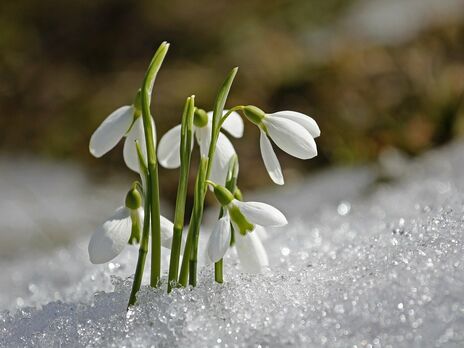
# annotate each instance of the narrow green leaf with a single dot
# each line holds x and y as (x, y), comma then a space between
(222, 96)
(185, 155)
(217, 114)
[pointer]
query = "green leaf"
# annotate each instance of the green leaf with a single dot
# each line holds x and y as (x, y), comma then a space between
(222, 97)
(154, 67)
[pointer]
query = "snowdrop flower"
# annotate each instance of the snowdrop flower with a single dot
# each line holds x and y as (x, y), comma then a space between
(244, 217)
(169, 145)
(250, 250)
(219, 240)
(291, 131)
(113, 235)
(251, 253)
(262, 232)
(123, 122)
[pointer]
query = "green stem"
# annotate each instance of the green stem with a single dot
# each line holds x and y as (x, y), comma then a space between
(155, 275)
(218, 272)
(227, 114)
(153, 182)
(194, 227)
(185, 156)
(200, 194)
(184, 270)
(189, 260)
(143, 250)
(231, 185)
(198, 206)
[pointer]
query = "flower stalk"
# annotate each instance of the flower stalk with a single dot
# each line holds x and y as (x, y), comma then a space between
(198, 206)
(191, 247)
(231, 185)
(143, 249)
(185, 157)
(153, 182)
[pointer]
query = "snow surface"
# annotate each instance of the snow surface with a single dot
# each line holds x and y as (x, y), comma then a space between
(360, 265)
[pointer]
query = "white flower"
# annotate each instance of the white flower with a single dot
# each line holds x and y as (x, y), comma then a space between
(169, 145)
(246, 218)
(262, 232)
(113, 235)
(291, 131)
(259, 213)
(251, 253)
(122, 122)
(219, 240)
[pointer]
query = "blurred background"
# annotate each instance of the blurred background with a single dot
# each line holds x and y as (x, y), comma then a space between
(379, 76)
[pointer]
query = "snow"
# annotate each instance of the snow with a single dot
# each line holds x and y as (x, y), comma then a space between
(362, 264)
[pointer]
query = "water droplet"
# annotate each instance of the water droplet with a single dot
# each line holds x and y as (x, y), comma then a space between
(285, 251)
(344, 208)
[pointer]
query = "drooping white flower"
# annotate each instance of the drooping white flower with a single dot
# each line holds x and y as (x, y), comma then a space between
(122, 122)
(259, 213)
(291, 131)
(219, 240)
(113, 235)
(262, 232)
(246, 213)
(246, 218)
(169, 145)
(251, 253)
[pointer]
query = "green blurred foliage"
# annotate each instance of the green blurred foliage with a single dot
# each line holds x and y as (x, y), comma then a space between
(65, 65)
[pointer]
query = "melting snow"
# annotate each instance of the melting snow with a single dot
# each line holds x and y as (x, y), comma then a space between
(360, 265)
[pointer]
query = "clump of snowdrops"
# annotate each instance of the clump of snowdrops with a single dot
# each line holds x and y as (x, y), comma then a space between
(240, 223)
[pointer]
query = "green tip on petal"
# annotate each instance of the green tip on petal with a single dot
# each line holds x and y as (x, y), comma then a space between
(240, 220)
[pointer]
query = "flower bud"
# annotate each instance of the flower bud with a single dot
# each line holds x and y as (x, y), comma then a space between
(200, 118)
(133, 199)
(223, 195)
(254, 114)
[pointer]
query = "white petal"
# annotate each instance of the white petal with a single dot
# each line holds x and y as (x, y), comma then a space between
(219, 240)
(233, 124)
(251, 252)
(166, 232)
(169, 148)
(203, 136)
(304, 120)
(109, 240)
(291, 137)
(111, 131)
(270, 160)
(261, 231)
(224, 152)
(261, 213)
(130, 151)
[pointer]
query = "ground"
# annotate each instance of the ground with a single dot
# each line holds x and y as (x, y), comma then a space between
(363, 263)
